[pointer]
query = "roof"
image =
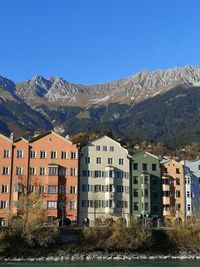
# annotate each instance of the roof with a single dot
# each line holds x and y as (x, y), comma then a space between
(107, 137)
(171, 160)
(47, 133)
(7, 138)
(145, 152)
(20, 139)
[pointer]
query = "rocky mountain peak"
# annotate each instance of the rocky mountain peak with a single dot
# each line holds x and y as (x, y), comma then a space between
(7, 84)
(134, 89)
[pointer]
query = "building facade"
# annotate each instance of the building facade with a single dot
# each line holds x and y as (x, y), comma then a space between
(173, 188)
(47, 165)
(146, 186)
(104, 181)
(192, 203)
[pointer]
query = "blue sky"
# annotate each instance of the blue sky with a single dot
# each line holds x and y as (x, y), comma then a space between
(93, 41)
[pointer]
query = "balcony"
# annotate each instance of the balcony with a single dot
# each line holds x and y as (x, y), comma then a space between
(166, 187)
(166, 200)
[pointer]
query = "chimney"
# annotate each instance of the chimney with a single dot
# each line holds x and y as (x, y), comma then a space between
(11, 136)
(67, 137)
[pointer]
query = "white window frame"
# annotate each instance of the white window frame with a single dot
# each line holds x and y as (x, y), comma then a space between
(20, 153)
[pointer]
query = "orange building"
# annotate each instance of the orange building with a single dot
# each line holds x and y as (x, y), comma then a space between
(173, 189)
(46, 164)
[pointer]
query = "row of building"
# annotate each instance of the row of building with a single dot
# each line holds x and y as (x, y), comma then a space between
(98, 181)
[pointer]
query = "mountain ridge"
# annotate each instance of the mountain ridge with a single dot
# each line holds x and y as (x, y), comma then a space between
(57, 104)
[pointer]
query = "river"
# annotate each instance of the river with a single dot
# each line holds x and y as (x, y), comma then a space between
(167, 263)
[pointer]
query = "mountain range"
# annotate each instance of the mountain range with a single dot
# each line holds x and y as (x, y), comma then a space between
(157, 105)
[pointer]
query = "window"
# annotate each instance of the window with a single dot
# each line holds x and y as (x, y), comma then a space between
(154, 167)
(72, 205)
(41, 189)
(53, 171)
(18, 170)
(32, 154)
(2, 222)
(72, 189)
(178, 193)
(53, 154)
(199, 167)
(42, 154)
(62, 171)
(146, 179)
(135, 193)
(87, 160)
(15, 204)
(73, 155)
(31, 188)
(51, 204)
(135, 166)
(155, 208)
(177, 170)
(42, 171)
(188, 207)
(177, 181)
(52, 189)
(144, 166)
(104, 148)
(154, 181)
(146, 192)
(178, 207)
(135, 179)
(166, 193)
(146, 206)
(98, 160)
(86, 173)
(165, 170)
(97, 148)
(136, 206)
(32, 171)
(18, 188)
(110, 161)
(97, 174)
(6, 153)
(63, 154)
(19, 154)
(155, 193)
(73, 171)
(62, 189)
(112, 148)
(188, 193)
(3, 204)
(5, 170)
(4, 188)
(121, 161)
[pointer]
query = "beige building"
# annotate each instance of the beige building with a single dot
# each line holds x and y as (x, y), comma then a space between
(173, 189)
(104, 181)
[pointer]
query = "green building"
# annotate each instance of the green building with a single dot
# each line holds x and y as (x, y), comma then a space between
(146, 197)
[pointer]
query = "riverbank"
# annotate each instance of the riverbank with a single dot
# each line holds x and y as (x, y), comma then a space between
(102, 256)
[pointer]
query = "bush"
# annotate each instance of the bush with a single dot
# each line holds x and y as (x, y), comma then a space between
(185, 234)
(117, 237)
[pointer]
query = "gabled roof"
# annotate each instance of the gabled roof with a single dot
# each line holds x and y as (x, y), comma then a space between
(147, 153)
(7, 138)
(102, 137)
(20, 139)
(47, 133)
(171, 160)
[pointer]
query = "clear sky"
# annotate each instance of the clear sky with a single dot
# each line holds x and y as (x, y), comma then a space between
(93, 41)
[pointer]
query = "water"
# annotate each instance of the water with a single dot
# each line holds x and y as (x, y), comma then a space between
(175, 263)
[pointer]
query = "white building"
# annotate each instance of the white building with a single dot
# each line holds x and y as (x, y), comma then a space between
(192, 198)
(104, 181)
